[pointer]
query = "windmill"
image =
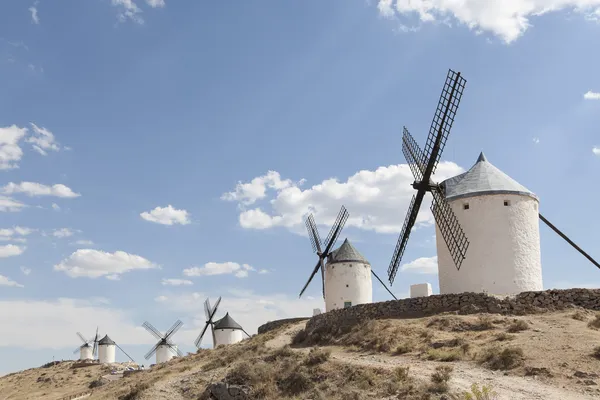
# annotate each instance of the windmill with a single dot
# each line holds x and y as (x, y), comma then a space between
(346, 254)
(106, 350)
(224, 331)
(423, 165)
(164, 348)
(89, 348)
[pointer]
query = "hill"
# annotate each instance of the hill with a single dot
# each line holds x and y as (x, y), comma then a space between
(554, 355)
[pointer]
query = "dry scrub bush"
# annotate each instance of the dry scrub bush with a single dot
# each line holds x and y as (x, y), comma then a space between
(517, 325)
(485, 393)
(595, 323)
(135, 392)
(579, 316)
(317, 356)
(457, 324)
(504, 359)
(445, 355)
(440, 379)
(596, 352)
(403, 348)
(503, 337)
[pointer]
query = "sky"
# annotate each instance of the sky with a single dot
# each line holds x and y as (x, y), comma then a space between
(155, 153)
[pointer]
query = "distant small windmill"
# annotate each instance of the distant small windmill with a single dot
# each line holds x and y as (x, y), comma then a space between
(164, 348)
(224, 331)
(89, 348)
(423, 165)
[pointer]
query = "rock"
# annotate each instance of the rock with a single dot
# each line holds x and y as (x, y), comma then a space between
(589, 382)
(224, 391)
(581, 374)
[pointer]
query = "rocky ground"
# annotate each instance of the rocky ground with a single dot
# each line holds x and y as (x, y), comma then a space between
(544, 356)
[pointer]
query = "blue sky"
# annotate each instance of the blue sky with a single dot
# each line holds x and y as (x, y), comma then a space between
(111, 109)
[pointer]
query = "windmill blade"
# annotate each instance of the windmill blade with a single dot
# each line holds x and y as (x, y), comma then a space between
(409, 222)
(214, 310)
(82, 338)
(313, 234)
(322, 275)
(198, 340)
(153, 331)
(246, 333)
(95, 349)
(450, 228)
(128, 356)
(178, 324)
(77, 350)
(413, 154)
(443, 119)
(175, 350)
(152, 351)
(207, 309)
(562, 235)
(312, 275)
(214, 337)
(380, 281)
(336, 229)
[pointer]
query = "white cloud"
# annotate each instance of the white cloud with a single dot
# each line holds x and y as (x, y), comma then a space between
(156, 3)
(83, 242)
(25, 270)
(55, 207)
(423, 265)
(176, 282)
(37, 189)
(505, 19)
(591, 95)
(263, 271)
(596, 150)
(536, 140)
(16, 231)
(161, 299)
(167, 216)
(11, 250)
(4, 281)
(94, 263)
(8, 204)
(10, 152)
(34, 13)
(42, 140)
(21, 322)
(129, 10)
(376, 200)
(213, 268)
(62, 233)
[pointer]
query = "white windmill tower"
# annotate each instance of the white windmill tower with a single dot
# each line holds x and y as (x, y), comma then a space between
(347, 274)
(164, 348)
(106, 350)
(224, 331)
(89, 348)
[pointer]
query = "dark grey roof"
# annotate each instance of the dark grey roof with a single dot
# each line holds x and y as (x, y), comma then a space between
(106, 341)
(85, 345)
(227, 323)
(345, 253)
(483, 178)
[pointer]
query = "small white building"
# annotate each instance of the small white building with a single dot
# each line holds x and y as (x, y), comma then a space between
(165, 352)
(420, 290)
(500, 219)
(106, 350)
(86, 352)
(347, 278)
(227, 331)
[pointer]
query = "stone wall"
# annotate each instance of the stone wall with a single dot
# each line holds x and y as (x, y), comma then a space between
(271, 325)
(464, 303)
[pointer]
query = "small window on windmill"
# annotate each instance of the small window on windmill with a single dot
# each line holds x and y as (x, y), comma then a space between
(466, 206)
(346, 285)
(506, 203)
(347, 304)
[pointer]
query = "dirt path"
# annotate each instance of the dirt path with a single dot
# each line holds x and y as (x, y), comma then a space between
(464, 375)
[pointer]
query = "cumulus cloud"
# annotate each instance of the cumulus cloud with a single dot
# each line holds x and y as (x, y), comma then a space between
(62, 233)
(4, 281)
(376, 200)
(213, 268)
(596, 150)
(505, 19)
(10, 233)
(11, 250)
(591, 95)
(94, 263)
(129, 10)
(34, 189)
(8, 204)
(176, 282)
(10, 151)
(156, 3)
(423, 265)
(167, 216)
(83, 242)
(42, 140)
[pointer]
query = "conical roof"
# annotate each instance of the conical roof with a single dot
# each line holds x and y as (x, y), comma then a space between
(106, 341)
(483, 178)
(346, 253)
(227, 323)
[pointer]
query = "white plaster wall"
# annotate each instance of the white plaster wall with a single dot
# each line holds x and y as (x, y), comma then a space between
(86, 353)
(106, 354)
(228, 336)
(420, 290)
(164, 353)
(347, 281)
(504, 251)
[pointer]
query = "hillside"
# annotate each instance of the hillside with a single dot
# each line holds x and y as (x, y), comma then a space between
(544, 356)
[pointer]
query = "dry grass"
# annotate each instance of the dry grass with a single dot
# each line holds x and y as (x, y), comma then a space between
(496, 358)
(595, 323)
(503, 337)
(485, 393)
(579, 316)
(440, 379)
(518, 325)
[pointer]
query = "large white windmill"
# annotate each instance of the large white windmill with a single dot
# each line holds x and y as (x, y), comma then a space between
(165, 349)
(224, 331)
(107, 349)
(89, 348)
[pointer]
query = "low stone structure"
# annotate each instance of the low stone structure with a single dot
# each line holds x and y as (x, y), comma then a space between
(464, 303)
(271, 325)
